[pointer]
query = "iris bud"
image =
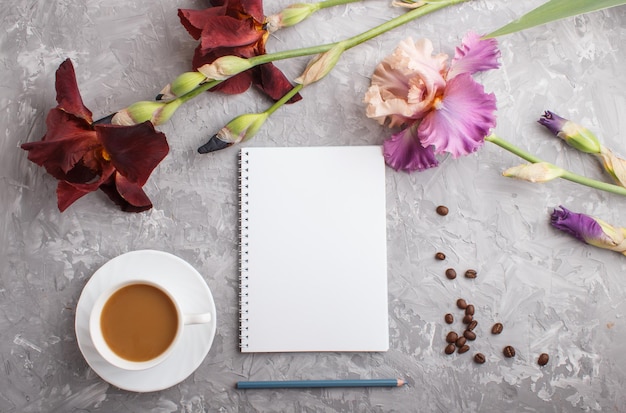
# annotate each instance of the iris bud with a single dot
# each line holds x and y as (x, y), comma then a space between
(590, 230)
(535, 172)
(182, 85)
(139, 112)
(320, 65)
(575, 135)
(224, 67)
(291, 16)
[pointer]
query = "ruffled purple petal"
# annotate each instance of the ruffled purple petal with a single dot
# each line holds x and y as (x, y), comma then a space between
(552, 121)
(581, 226)
(474, 55)
(403, 151)
(461, 120)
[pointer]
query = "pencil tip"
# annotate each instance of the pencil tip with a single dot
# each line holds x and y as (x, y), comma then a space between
(401, 382)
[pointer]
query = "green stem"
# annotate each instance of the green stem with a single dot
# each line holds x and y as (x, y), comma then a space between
(358, 39)
(330, 3)
(284, 99)
(570, 176)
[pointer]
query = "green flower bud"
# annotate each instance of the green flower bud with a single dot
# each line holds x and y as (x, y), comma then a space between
(575, 135)
(182, 85)
(291, 16)
(139, 112)
(535, 172)
(224, 67)
(321, 65)
(242, 128)
(614, 165)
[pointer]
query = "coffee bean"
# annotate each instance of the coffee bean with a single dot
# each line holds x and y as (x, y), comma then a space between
(449, 349)
(470, 335)
(497, 328)
(440, 256)
(472, 325)
(543, 359)
(479, 358)
(460, 342)
(461, 303)
(508, 351)
(463, 349)
(450, 273)
(442, 210)
(471, 274)
(467, 319)
(449, 318)
(469, 310)
(451, 337)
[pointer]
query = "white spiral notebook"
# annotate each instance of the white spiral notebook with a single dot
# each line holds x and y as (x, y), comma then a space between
(313, 273)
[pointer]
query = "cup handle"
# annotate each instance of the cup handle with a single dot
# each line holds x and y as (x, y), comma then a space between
(197, 318)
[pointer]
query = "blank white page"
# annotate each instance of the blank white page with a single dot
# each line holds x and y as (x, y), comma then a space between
(313, 249)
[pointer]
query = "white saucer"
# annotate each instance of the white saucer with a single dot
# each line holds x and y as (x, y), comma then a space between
(184, 283)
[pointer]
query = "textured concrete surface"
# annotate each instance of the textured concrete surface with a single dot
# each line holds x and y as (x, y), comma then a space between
(553, 293)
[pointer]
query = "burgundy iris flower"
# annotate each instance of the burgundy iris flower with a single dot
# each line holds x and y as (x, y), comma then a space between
(86, 156)
(235, 28)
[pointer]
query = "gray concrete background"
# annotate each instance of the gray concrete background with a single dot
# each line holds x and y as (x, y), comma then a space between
(553, 293)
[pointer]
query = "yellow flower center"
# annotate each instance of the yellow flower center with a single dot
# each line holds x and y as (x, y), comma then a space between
(438, 103)
(105, 155)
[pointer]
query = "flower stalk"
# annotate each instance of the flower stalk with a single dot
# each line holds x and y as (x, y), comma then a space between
(358, 39)
(298, 12)
(565, 174)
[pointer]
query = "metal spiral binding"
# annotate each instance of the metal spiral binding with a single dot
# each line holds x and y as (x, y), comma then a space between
(243, 248)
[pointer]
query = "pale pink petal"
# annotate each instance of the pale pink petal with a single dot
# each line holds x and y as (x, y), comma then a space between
(474, 55)
(403, 151)
(461, 120)
(397, 111)
(405, 84)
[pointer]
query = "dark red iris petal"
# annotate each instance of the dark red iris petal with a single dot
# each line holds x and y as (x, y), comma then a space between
(68, 95)
(254, 8)
(66, 142)
(273, 82)
(68, 192)
(225, 31)
(127, 195)
(134, 150)
(194, 20)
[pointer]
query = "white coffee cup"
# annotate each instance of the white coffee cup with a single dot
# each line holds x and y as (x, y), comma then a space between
(103, 348)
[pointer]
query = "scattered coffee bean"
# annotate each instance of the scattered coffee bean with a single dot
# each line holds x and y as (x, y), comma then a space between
(471, 274)
(467, 319)
(449, 318)
(460, 342)
(479, 358)
(508, 351)
(449, 349)
(451, 337)
(442, 210)
(463, 349)
(543, 359)
(450, 273)
(497, 328)
(470, 335)
(469, 310)
(440, 256)
(461, 303)
(472, 325)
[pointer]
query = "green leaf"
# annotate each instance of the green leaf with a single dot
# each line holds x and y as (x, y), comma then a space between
(554, 10)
